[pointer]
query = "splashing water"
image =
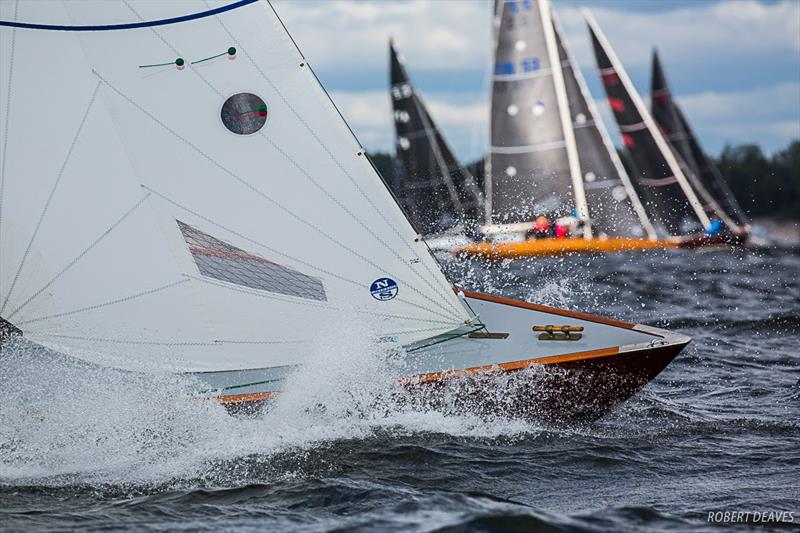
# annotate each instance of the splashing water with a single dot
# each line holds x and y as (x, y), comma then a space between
(65, 422)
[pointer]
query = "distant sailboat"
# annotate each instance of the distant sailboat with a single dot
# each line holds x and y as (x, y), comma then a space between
(440, 196)
(550, 154)
(670, 118)
(189, 200)
(668, 184)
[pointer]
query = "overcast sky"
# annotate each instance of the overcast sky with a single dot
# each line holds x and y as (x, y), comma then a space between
(733, 64)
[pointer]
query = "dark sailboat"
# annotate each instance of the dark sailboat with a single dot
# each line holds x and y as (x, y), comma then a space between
(670, 118)
(614, 206)
(439, 195)
(669, 196)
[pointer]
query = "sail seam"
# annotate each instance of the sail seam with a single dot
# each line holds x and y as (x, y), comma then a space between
(80, 255)
(215, 342)
(106, 304)
(524, 149)
(445, 298)
(50, 196)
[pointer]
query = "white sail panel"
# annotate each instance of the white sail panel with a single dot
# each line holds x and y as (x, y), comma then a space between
(109, 269)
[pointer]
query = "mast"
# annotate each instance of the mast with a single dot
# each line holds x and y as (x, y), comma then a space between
(566, 120)
(599, 126)
(661, 144)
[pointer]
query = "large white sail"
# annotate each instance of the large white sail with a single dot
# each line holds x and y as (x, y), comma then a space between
(178, 190)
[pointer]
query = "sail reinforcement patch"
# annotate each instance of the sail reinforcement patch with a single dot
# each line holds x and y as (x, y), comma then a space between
(222, 261)
(244, 113)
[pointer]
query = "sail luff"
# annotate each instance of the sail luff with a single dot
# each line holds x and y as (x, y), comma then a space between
(599, 124)
(660, 142)
(566, 120)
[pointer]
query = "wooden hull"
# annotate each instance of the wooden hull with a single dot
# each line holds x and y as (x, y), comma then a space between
(561, 381)
(580, 390)
(552, 247)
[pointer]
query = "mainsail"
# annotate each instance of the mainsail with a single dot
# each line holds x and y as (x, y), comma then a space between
(533, 166)
(613, 204)
(178, 191)
(436, 191)
(670, 198)
(670, 118)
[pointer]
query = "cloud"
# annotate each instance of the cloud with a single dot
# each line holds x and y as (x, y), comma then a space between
(705, 32)
(734, 65)
(441, 34)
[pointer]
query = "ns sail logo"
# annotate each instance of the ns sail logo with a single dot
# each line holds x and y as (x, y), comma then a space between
(383, 289)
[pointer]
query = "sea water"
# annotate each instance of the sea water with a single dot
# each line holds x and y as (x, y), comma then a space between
(717, 431)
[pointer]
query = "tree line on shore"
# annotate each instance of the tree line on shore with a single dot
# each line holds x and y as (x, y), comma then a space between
(766, 186)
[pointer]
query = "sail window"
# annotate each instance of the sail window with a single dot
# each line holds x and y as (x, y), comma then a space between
(219, 260)
(404, 143)
(244, 113)
(402, 115)
(580, 118)
(512, 110)
(520, 45)
(511, 171)
(538, 108)
(619, 193)
(590, 177)
(401, 91)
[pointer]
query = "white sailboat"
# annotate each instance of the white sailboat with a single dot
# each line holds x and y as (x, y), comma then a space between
(179, 193)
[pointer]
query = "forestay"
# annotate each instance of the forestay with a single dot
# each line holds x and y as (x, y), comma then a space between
(178, 191)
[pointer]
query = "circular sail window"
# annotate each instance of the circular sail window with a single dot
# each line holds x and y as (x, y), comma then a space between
(619, 193)
(244, 113)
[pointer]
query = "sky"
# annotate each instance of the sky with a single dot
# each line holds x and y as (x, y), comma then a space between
(734, 65)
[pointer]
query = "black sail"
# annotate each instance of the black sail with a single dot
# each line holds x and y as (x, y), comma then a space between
(671, 120)
(528, 173)
(438, 194)
(609, 194)
(665, 197)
